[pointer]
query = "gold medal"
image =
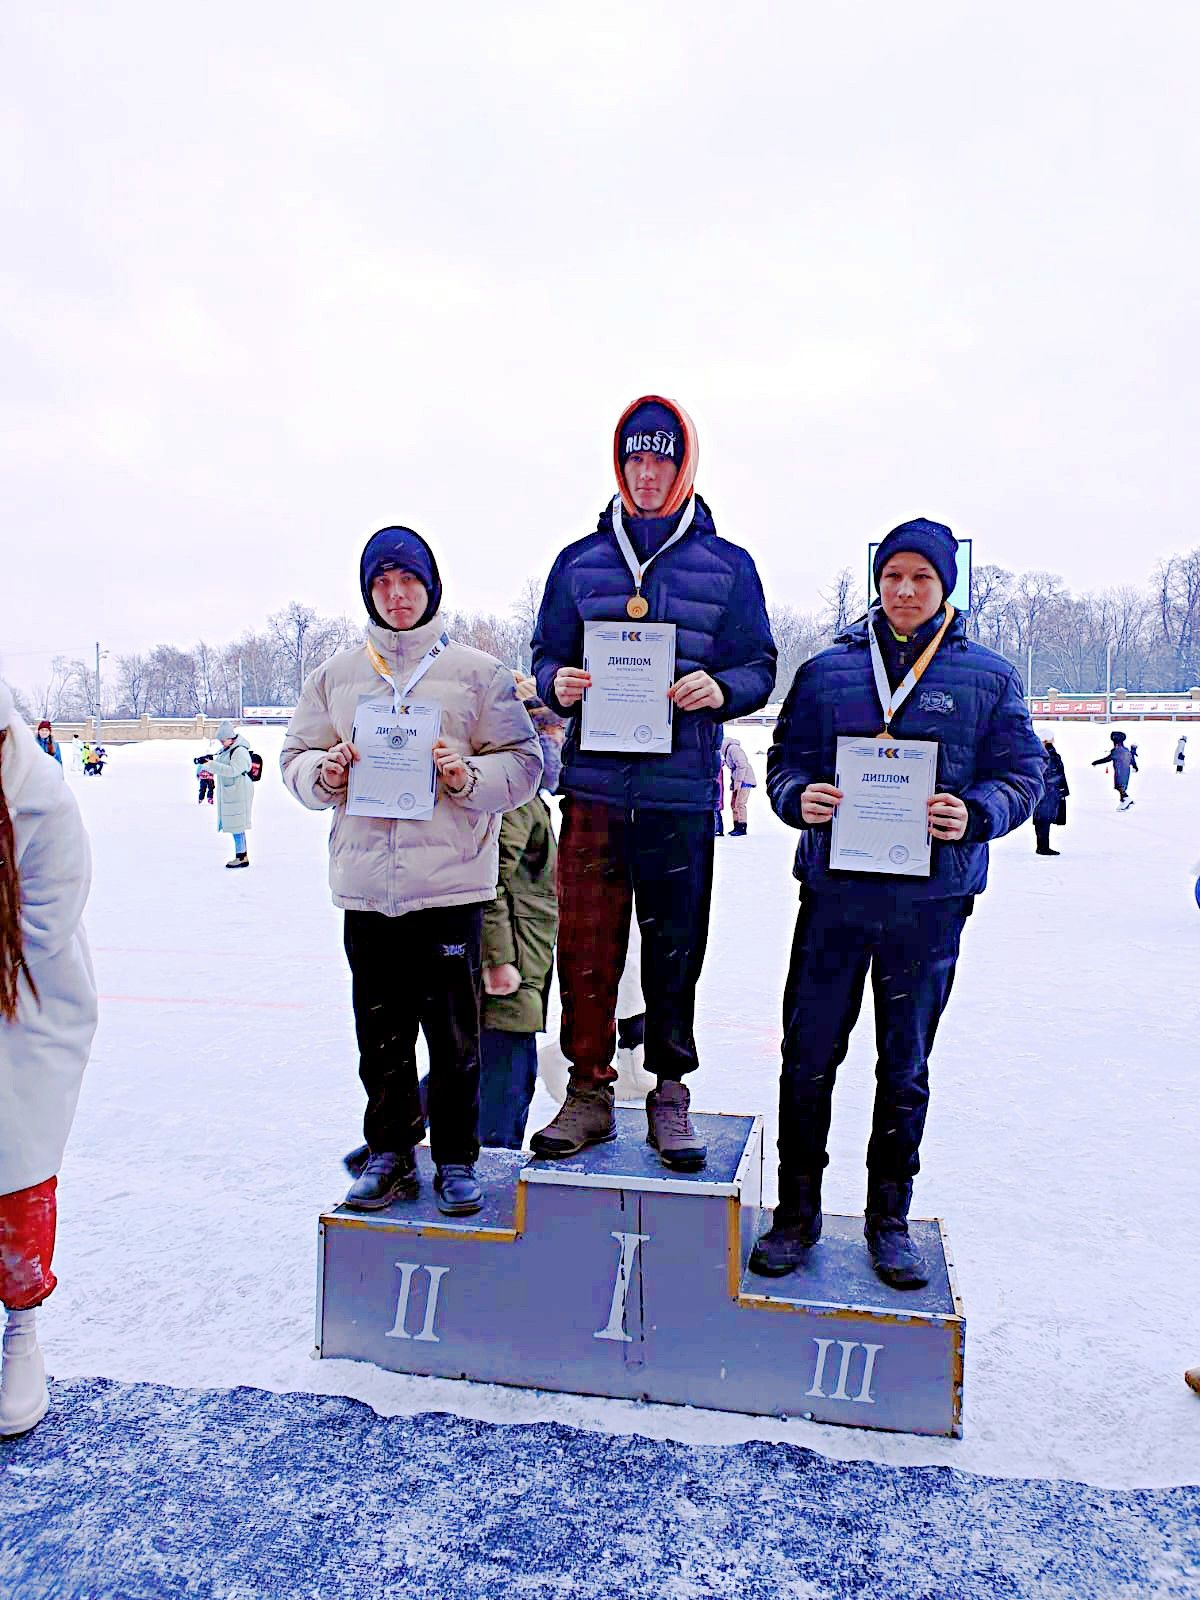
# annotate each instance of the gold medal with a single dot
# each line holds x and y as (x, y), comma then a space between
(884, 735)
(636, 606)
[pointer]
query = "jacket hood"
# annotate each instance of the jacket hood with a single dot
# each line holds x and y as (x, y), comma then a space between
(685, 478)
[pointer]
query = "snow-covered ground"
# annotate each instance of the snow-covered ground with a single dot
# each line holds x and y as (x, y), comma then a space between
(1061, 1148)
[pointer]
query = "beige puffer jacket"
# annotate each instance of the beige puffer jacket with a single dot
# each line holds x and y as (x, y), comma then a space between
(452, 858)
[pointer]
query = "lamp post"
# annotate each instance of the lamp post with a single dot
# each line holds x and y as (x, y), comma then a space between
(1108, 680)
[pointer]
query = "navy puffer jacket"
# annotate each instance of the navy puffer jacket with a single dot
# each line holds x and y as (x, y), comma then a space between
(970, 701)
(709, 588)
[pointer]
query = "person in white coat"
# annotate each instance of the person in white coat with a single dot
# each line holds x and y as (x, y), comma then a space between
(47, 1019)
(414, 887)
(235, 790)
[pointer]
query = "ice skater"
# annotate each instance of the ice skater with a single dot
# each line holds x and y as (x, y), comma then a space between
(909, 671)
(413, 890)
(1124, 761)
(47, 1019)
(47, 741)
(1180, 752)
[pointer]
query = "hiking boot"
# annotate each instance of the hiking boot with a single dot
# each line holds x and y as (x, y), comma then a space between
(893, 1254)
(238, 861)
(457, 1189)
(669, 1128)
(387, 1175)
(794, 1230)
(23, 1394)
(585, 1117)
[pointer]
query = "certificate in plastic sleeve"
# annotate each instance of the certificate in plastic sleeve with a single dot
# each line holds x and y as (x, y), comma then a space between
(881, 824)
(632, 665)
(394, 775)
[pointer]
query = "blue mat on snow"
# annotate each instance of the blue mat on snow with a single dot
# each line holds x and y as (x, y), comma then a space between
(139, 1492)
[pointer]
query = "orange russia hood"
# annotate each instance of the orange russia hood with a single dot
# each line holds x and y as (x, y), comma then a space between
(685, 479)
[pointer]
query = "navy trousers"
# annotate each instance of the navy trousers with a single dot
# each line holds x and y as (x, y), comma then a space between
(507, 1075)
(911, 956)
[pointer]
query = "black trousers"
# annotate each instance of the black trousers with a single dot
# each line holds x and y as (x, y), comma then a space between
(911, 956)
(418, 971)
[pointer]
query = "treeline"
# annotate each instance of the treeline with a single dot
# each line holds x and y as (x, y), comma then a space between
(1151, 635)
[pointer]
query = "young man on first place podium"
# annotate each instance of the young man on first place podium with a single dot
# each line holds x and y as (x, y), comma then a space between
(907, 684)
(637, 828)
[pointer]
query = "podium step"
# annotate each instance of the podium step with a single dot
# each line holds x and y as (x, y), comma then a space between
(608, 1274)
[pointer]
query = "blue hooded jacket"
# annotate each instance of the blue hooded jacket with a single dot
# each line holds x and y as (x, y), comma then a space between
(710, 589)
(969, 700)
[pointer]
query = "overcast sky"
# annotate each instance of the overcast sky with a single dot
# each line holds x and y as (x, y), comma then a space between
(277, 275)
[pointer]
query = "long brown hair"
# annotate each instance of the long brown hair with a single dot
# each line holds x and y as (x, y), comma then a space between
(12, 946)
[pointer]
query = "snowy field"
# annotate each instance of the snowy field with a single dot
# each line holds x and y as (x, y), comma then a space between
(1061, 1148)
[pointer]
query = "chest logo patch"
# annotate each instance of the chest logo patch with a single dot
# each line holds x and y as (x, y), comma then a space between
(937, 701)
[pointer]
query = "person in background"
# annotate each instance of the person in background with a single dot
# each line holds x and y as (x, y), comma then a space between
(1180, 752)
(1124, 761)
(1192, 1378)
(941, 686)
(48, 1015)
(741, 781)
(1051, 809)
(235, 791)
(45, 738)
(519, 929)
(414, 890)
(637, 831)
(207, 777)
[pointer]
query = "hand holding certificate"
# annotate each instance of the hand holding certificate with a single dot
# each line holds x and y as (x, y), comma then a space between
(394, 775)
(882, 822)
(630, 669)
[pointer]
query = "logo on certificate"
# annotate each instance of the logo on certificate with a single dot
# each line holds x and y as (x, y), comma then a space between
(898, 855)
(398, 739)
(406, 802)
(644, 734)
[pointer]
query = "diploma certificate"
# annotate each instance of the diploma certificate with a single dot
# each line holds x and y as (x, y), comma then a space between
(632, 665)
(881, 824)
(394, 775)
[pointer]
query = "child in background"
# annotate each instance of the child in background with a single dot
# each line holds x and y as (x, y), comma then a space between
(207, 777)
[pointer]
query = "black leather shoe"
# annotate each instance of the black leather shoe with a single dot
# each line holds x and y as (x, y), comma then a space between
(893, 1254)
(388, 1175)
(457, 1189)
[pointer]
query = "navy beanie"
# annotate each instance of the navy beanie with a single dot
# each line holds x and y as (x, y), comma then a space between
(933, 540)
(399, 550)
(652, 429)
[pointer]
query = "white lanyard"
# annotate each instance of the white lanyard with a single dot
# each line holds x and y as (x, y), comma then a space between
(890, 700)
(379, 662)
(639, 569)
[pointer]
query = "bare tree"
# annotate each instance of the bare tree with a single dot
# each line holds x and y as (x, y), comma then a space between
(844, 601)
(525, 610)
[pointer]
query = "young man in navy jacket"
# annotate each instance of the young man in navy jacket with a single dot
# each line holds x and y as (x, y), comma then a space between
(637, 830)
(905, 930)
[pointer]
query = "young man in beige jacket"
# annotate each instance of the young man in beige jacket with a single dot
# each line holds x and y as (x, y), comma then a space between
(414, 889)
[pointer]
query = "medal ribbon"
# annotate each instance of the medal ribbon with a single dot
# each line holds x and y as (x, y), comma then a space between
(379, 662)
(639, 570)
(890, 699)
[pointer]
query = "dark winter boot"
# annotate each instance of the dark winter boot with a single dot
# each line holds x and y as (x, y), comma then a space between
(796, 1227)
(238, 861)
(738, 831)
(388, 1175)
(893, 1254)
(457, 1189)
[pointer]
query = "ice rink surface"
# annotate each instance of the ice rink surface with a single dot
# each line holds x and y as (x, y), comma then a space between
(1061, 1148)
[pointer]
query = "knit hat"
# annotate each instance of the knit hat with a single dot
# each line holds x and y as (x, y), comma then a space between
(399, 550)
(226, 730)
(933, 540)
(662, 428)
